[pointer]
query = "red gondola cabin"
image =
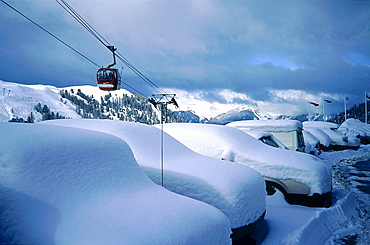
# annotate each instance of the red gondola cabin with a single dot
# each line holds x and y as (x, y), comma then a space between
(108, 79)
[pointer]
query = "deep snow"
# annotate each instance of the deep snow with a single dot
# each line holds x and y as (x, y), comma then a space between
(63, 185)
(349, 215)
(236, 190)
(287, 224)
(354, 127)
(228, 143)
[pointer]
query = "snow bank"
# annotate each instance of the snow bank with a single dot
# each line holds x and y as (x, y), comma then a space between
(71, 186)
(334, 157)
(231, 144)
(290, 225)
(267, 125)
(236, 190)
(327, 224)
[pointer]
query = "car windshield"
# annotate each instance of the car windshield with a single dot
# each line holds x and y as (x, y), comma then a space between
(269, 141)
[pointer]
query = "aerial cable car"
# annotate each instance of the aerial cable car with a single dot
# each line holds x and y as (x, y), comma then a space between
(109, 79)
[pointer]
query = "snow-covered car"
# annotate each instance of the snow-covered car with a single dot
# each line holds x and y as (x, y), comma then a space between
(63, 185)
(312, 144)
(266, 137)
(339, 141)
(289, 132)
(238, 191)
(356, 129)
(304, 179)
(321, 136)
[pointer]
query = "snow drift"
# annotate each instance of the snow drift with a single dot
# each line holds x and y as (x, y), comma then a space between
(236, 190)
(63, 185)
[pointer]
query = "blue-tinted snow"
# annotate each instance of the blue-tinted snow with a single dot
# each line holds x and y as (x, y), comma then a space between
(63, 185)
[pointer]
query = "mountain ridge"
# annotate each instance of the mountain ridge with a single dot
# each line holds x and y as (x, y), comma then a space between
(29, 103)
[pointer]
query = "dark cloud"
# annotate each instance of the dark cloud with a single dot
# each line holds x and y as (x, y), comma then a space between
(249, 47)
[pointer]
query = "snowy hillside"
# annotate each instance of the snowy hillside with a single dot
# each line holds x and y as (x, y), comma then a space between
(33, 103)
(18, 101)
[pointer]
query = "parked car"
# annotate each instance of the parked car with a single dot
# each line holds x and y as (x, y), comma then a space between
(238, 191)
(324, 139)
(312, 143)
(339, 141)
(356, 129)
(289, 132)
(266, 137)
(304, 179)
(63, 185)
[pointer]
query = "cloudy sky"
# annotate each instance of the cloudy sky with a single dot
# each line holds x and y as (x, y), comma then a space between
(274, 52)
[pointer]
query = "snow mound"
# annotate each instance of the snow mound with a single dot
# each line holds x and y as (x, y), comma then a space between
(63, 185)
(290, 225)
(354, 127)
(234, 145)
(327, 224)
(236, 190)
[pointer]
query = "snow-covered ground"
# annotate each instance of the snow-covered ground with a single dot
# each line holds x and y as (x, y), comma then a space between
(349, 215)
(284, 223)
(62, 185)
(224, 185)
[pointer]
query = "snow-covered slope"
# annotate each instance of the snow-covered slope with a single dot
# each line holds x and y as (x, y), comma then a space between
(18, 100)
(33, 103)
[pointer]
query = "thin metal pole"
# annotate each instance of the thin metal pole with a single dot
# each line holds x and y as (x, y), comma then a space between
(162, 143)
(345, 109)
(323, 110)
(365, 107)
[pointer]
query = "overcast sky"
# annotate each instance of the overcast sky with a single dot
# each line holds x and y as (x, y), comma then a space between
(270, 51)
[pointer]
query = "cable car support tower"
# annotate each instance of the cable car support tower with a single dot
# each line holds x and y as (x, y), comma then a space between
(161, 101)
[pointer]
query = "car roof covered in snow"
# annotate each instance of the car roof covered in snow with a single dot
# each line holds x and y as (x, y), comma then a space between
(226, 186)
(267, 125)
(232, 144)
(320, 124)
(310, 138)
(354, 127)
(257, 134)
(324, 139)
(72, 186)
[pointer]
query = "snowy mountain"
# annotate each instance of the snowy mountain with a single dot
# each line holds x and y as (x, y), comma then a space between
(18, 101)
(33, 103)
(238, 114)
